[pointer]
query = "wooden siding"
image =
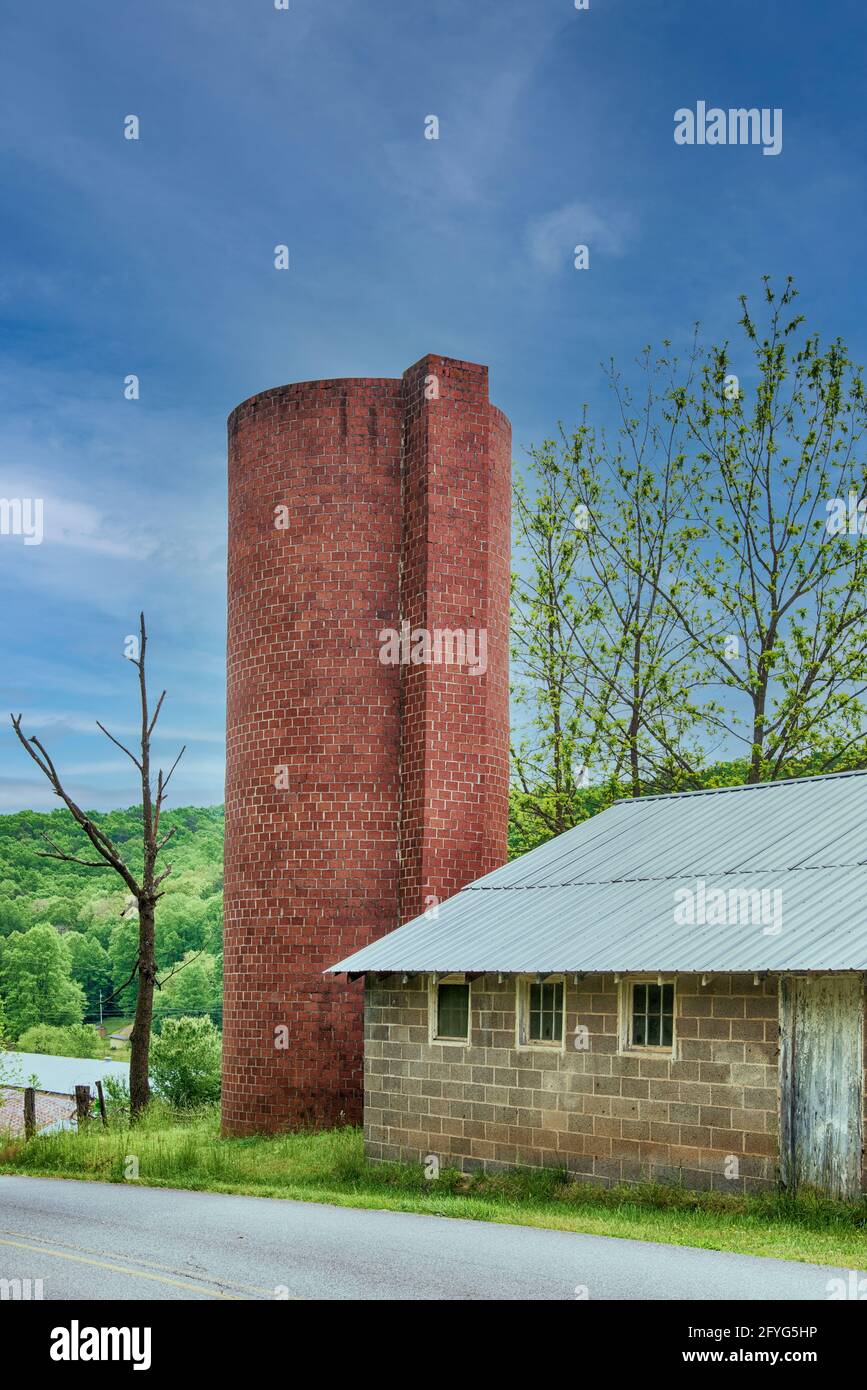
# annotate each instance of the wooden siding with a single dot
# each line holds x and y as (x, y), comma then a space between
(821, 1083)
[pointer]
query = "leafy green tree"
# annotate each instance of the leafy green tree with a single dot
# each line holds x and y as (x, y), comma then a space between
(122, 949)
(116, 1096)
(77, 1040)
(785, 594)
(601, 662)
(31, 884)
(56, 910)
(189, 989)
(213, 925)
(217, 1000)
(185, 1061)
(97, 915)
(36, 981)
(122, 954)
(180, 926)
(90, 966)
(12, 916)
(711, 600)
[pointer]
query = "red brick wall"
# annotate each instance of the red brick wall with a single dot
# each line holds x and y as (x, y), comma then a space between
(455, 577)
(397, 776)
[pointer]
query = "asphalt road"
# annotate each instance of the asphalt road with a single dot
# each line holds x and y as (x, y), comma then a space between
(103, 1241)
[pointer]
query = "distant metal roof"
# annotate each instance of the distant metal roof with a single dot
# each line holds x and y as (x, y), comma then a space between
(59, 1075)
(603, 896)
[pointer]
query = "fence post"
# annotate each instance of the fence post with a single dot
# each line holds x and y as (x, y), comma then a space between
(101, 1095)
(29, 1112)
(82, 1105)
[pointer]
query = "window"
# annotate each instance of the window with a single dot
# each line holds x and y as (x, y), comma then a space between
(452, 1012)
(651, 1014)
(540, 1013)
(546, 1013)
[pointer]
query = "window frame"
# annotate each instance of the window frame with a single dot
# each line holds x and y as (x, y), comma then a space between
(434, 1010)
(627, 1013)
(523, 1041)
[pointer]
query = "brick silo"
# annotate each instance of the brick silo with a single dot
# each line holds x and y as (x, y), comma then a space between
(356, 790)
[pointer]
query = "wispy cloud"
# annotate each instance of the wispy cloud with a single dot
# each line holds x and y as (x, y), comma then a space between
(40, 720)
(307, 127)
(553, 236)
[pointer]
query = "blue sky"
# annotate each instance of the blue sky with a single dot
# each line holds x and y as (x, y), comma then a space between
(306, 127)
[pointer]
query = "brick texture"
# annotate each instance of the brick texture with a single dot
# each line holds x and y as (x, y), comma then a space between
(355, 791)
(455, 577)
(604, 1114)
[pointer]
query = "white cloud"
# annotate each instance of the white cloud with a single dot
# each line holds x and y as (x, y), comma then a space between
(83, 527)
(553, 236)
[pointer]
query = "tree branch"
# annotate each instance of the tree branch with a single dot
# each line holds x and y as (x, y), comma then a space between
(100, 841)
(119, 745)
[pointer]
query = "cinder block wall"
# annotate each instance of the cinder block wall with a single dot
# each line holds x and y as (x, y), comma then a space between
(397, 496)
(605, 1115)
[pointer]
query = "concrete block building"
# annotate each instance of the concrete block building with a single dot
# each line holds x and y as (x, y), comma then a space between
(671, 991)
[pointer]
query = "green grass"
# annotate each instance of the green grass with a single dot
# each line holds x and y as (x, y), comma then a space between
(186, 1152)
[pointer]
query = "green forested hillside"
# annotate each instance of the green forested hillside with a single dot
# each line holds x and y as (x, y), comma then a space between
(60, 978)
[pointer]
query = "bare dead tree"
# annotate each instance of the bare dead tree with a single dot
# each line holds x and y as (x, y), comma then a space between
(145, 890)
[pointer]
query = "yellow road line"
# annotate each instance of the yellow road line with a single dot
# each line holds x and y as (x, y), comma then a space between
(119, 1269)
(148, 1264)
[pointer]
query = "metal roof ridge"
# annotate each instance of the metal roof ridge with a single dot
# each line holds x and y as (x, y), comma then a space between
(740, 787)
(653, 878)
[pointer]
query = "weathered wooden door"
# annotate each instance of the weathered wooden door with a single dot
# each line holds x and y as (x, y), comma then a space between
(821, 1079)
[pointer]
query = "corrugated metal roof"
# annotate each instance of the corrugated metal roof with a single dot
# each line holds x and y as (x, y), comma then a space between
(59, 1075)
(608, 895)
